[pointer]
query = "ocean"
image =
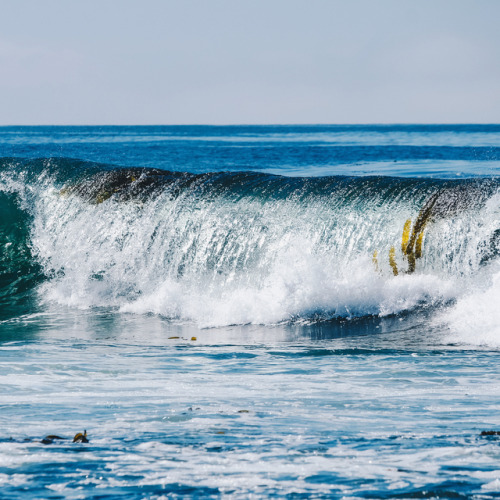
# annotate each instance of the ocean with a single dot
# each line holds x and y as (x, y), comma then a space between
(250, 312)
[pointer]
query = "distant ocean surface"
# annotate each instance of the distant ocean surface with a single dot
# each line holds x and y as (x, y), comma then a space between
(250, 311)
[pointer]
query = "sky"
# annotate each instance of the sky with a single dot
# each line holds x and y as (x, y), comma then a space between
(96, 62)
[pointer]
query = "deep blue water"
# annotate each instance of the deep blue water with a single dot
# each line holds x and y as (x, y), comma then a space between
(246, 311)
(400, 150)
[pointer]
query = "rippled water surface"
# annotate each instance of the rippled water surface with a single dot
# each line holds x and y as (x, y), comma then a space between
(226, 331)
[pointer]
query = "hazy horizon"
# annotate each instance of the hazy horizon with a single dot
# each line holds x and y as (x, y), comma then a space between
(303, 124)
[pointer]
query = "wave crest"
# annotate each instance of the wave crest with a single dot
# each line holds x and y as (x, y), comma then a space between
(248, 247)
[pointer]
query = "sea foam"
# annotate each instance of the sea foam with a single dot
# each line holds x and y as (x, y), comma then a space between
(246, 248)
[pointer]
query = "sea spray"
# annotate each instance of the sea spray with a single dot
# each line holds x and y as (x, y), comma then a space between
(236, 248)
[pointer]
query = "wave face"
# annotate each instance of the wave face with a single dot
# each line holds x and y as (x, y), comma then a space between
(238, 247)
(19, 271)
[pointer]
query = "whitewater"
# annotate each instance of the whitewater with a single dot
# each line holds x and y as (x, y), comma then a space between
(266, 311)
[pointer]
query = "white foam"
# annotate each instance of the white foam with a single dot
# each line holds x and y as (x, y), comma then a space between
(215, 262)
(314, 289)
(475, 318)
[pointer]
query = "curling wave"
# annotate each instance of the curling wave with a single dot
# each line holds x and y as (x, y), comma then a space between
(246, 247)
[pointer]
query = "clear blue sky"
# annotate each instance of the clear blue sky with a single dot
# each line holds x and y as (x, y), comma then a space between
(253, 61)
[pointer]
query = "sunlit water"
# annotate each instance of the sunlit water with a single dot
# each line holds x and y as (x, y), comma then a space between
(231, 336)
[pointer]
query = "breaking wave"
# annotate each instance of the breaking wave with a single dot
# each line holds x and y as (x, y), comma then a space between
(241, 247)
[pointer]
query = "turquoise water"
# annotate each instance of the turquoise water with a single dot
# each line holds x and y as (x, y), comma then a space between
(205, 303)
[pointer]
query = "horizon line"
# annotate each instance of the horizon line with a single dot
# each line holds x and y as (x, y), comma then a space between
(305, 124)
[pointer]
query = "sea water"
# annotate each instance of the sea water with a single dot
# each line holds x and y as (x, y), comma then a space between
(234, 312)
